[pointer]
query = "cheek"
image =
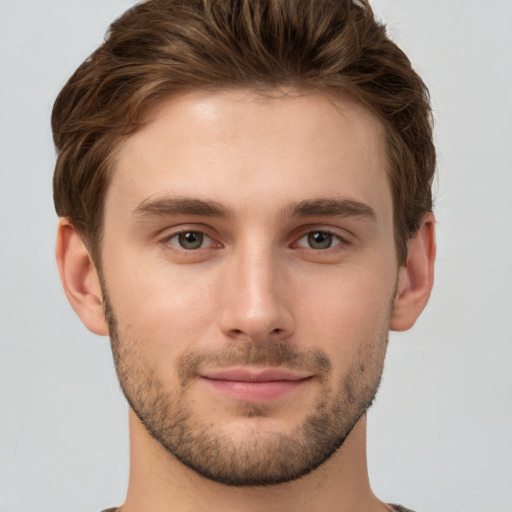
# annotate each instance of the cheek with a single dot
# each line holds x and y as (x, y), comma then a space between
(347, 310)
(169, 308)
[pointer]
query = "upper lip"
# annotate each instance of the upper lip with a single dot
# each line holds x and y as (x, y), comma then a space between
(246, 374)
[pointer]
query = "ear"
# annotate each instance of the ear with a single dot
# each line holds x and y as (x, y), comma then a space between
(416, 278)
(79, 278)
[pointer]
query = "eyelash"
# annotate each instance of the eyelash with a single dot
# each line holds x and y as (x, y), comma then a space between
(334, 240)
(184, 232)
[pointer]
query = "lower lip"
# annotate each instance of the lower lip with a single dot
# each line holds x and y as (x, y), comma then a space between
(255, 391)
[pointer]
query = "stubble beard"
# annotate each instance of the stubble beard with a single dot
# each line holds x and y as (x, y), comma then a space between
(260, 457)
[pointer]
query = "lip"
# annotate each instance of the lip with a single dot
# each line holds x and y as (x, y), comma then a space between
(254, 384)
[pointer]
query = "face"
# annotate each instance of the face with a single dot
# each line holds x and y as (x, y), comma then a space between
(249, 272)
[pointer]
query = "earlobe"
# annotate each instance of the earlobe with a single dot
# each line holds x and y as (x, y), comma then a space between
(79, 278)
(416, 278)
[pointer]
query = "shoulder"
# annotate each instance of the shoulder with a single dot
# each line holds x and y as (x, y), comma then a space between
(397, 508)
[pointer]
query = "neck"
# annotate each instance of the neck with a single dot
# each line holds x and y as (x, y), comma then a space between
(160, 483)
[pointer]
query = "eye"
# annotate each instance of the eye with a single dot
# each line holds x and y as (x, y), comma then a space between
(191, 240)
(319, 240)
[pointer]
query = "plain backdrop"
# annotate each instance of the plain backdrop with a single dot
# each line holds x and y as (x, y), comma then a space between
(440, 431)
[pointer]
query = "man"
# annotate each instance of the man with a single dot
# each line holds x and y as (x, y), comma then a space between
(244, 190)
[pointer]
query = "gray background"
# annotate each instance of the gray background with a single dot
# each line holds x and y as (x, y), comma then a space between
(440, 431)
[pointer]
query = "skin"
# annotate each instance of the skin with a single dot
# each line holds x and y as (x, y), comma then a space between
(258, 279)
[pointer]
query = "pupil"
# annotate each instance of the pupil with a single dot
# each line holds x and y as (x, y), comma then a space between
(320, 240)
(191, 240)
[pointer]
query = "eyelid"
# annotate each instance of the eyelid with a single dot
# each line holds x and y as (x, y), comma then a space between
(336, 241)
(344, 236)
(205, 242)
(169, 233)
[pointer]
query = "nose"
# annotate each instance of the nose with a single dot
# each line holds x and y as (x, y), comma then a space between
(256, 298)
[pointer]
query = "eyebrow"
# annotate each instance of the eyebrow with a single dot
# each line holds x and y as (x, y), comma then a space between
(333, 208)
(163, 206)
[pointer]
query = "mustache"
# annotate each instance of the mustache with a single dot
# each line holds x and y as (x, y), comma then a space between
(276, 354)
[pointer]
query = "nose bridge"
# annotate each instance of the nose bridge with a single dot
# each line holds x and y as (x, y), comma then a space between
(255, 304)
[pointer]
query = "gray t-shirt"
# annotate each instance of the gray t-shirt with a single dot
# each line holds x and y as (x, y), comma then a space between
(398, 508)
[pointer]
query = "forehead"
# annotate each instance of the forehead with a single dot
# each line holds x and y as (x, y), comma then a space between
(279, 146)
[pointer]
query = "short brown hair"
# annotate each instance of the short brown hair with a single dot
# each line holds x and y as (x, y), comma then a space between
(160, 47)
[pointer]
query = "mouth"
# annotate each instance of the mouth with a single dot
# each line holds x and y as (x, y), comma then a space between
(254, 384)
